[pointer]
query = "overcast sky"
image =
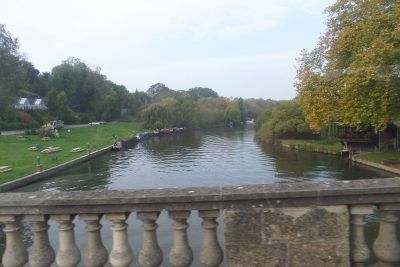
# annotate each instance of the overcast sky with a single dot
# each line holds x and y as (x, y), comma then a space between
(237, 47)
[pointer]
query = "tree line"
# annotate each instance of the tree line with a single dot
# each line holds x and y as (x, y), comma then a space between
(77, 93)
(197, 108)
(351, 78)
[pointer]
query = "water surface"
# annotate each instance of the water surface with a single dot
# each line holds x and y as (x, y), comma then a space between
(209, 158)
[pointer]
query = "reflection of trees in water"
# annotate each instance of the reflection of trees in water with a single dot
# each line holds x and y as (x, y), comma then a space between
(183, 143)
(290, 163)
(90, 175)
(187, 143)
(309, 165)
(230, 134)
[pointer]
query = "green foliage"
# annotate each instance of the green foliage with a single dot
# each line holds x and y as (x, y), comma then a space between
(47, 131)
(233, 115)
(262, 118)
(170, 112)
(16, 74)
(352, 77)
(285, 121)
(211, 112)
(255, 107)
(86, 91)
(242, 109)
(200, 92)
(159, 91)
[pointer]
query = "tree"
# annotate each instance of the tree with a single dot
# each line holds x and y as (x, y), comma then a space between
(232, 115)
(352, 76)
(285, 121)
(242, 109)
(200, 92)
(211, 111)
(16, 74)
(159, 91)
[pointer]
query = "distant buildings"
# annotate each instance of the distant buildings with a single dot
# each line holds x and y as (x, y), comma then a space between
(28, 103)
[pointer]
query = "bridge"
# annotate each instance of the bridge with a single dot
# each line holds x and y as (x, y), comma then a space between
(289, 224)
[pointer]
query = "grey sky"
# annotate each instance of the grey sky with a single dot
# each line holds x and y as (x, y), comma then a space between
(237, 47)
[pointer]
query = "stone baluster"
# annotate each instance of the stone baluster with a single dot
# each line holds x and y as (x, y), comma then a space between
(360, 252)
(181, 254)
(15, 254)
(211, 254)
(150, 255)
(95, 254)
(68, 254)
(121, 254)
(386, 247)
(42, 253)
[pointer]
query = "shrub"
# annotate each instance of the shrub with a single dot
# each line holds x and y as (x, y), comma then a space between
(47, 131)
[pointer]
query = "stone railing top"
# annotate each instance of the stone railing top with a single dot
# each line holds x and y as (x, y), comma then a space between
(372, 191)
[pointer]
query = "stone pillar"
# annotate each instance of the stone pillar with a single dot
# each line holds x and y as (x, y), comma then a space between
(68, 254)
(386, 247)
(181, 255)
(360, 253)
(42, 253)
(95, 254)
(211, 254)
(15, 254)
(150, 255)
(121, 254)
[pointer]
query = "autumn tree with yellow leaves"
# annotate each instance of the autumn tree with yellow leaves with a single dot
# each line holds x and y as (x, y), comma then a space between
(352, 77)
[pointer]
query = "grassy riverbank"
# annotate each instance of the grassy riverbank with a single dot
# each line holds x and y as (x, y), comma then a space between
(15, 154)
(324, 146)
(378, 157)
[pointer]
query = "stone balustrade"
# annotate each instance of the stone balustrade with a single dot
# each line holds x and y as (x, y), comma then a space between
(321, 224)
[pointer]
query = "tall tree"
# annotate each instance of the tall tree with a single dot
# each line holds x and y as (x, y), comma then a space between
(352, 76)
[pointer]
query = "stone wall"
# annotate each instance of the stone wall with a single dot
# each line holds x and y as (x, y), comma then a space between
(306, 236)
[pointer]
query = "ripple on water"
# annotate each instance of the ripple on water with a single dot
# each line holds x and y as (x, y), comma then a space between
(210, 158)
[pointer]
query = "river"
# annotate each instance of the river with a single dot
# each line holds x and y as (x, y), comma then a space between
(206, 158)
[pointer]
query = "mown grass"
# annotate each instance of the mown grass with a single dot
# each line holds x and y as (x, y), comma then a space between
(330, 146)
(378, 157)
(15, 154)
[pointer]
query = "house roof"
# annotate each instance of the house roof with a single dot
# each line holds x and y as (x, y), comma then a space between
(396, 123)
(23, 100)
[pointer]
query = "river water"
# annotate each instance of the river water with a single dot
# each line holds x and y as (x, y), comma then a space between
(207, 158)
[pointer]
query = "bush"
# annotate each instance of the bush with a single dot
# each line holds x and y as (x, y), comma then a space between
(47, 131)
(286, 121)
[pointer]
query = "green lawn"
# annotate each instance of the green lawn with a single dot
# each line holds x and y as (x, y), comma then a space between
(15, 154)
(378, 157)
(332, 146)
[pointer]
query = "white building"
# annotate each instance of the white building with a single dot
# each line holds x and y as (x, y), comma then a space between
(25, 103)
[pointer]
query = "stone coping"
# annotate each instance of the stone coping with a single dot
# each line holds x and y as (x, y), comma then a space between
(373, 191)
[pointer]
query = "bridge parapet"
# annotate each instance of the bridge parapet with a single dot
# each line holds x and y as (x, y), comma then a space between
(289, 224)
